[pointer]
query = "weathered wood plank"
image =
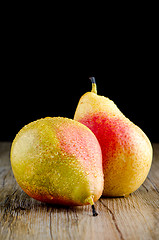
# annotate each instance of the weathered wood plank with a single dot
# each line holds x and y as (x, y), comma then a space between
(135, 217)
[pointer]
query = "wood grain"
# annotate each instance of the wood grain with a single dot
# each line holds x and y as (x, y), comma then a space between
(135, 217)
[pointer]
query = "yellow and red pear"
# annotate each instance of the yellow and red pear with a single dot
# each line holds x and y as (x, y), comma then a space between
(126, 150)
(58, 160)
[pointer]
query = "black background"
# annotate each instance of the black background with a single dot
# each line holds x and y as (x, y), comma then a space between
(45, 69)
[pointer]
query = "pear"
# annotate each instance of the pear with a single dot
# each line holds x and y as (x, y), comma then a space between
(58, 160)
(126, 150)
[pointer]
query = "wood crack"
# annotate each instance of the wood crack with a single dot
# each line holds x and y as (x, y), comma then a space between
(153, 184)
(8, 198)
(114, 220)
(145, 187)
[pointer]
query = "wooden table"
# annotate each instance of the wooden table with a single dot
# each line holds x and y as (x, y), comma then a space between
(21, 217)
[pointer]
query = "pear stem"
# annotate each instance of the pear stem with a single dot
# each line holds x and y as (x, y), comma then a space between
(91, 202)
(94, 211)
(94, 86)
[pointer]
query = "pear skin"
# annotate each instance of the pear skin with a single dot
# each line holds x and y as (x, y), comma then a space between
(58, 160)
(126, 150)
